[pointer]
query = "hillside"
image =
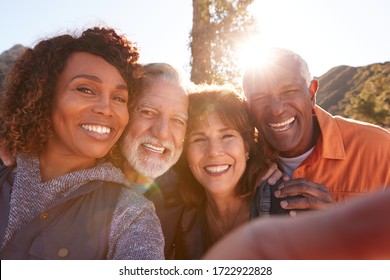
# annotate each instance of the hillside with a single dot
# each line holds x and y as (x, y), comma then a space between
(362, 93)
(357, 92)
(341, 82)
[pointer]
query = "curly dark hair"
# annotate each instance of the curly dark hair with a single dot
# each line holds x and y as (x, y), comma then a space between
(231, 107)
(25, 106)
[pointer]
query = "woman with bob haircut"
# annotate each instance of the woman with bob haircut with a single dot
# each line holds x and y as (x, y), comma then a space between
(221, 171)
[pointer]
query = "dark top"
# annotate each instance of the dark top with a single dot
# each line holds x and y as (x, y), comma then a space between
(63, 231)
(193, 237)
(164, 193)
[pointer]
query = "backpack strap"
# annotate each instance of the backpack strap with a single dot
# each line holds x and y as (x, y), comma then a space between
(6, 183)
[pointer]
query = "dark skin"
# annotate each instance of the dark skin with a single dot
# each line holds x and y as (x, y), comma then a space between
(282, 104)
(311, 195)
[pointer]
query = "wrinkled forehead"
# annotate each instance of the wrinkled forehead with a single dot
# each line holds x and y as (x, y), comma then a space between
(280, 73)
(165, 96)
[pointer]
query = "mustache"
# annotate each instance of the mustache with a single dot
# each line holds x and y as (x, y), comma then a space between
(156, 142)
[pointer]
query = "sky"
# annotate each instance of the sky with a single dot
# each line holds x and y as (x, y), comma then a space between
(326, 33)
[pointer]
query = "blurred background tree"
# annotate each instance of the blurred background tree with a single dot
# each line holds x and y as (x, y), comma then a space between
(218, 29)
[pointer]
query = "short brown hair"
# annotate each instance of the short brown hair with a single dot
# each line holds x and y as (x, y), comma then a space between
(233, 111)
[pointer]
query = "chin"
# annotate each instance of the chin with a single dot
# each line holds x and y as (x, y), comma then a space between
(98, 155)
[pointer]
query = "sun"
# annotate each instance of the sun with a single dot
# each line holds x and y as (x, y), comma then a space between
(253, 52)
(275, 31)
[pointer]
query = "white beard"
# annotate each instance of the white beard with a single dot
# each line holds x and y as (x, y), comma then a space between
(148, 166)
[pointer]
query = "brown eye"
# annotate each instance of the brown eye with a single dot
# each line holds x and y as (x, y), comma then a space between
(197, 140)
(227, 136)
(84, 90)
(120, 99)
(147, 113)
(179, 121)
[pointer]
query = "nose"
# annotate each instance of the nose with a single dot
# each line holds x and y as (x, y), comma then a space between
(161, 129)
(103, 106)
(215, 147)
(277, 106)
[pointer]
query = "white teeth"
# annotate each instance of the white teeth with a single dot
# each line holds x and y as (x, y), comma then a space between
(217, 168)
(290, 120)
(153, 148)
(97, 128)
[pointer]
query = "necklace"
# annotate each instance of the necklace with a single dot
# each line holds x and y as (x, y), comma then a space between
(222, 231)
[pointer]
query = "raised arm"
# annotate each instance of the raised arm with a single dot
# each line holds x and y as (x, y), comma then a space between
(358, 229)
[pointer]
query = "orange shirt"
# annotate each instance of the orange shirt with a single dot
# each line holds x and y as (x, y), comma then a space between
(350, 157)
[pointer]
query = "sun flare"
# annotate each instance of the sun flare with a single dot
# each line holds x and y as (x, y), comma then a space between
(253, 52)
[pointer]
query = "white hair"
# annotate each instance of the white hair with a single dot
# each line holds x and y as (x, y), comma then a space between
(164, 72)
(275, 55)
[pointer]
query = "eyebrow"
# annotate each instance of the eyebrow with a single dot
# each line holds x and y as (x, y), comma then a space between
(225, 129)
(144, 103)
(97, 79)
(282, 86)
(200, 133)
(219, 130)
(183, 115)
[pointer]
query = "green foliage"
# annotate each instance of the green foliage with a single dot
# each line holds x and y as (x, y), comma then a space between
(372, 103)
(361, 93)
(218, 27)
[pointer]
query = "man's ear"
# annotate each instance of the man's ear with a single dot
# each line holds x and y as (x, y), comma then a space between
(313, 88)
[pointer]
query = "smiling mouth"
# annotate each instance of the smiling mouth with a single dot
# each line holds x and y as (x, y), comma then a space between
(154, 149)
(217, 169)
(97, 128)
(282, 126)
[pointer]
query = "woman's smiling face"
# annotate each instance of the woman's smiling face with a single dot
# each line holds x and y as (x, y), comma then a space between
(89, 108)
(217, 155)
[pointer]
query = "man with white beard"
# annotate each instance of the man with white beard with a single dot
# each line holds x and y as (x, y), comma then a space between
(153, 142)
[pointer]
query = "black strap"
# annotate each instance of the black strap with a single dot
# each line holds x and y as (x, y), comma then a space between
(6, 182)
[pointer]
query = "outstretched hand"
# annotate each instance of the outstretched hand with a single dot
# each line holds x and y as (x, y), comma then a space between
(302, 194)
(358, 229)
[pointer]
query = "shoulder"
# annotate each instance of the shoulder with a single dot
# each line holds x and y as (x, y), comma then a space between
(364, 133)
(135, 230)
(129, 200)
(106, 171)
(352, 130)
(361, 126)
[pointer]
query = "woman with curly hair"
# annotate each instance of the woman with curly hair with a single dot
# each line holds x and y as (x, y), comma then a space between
(64, 108)
(222, 170)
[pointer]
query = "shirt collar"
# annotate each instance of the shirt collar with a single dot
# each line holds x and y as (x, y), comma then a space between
(332, 142)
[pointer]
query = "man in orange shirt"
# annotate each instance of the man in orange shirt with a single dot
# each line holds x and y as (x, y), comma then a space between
(328, 158)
